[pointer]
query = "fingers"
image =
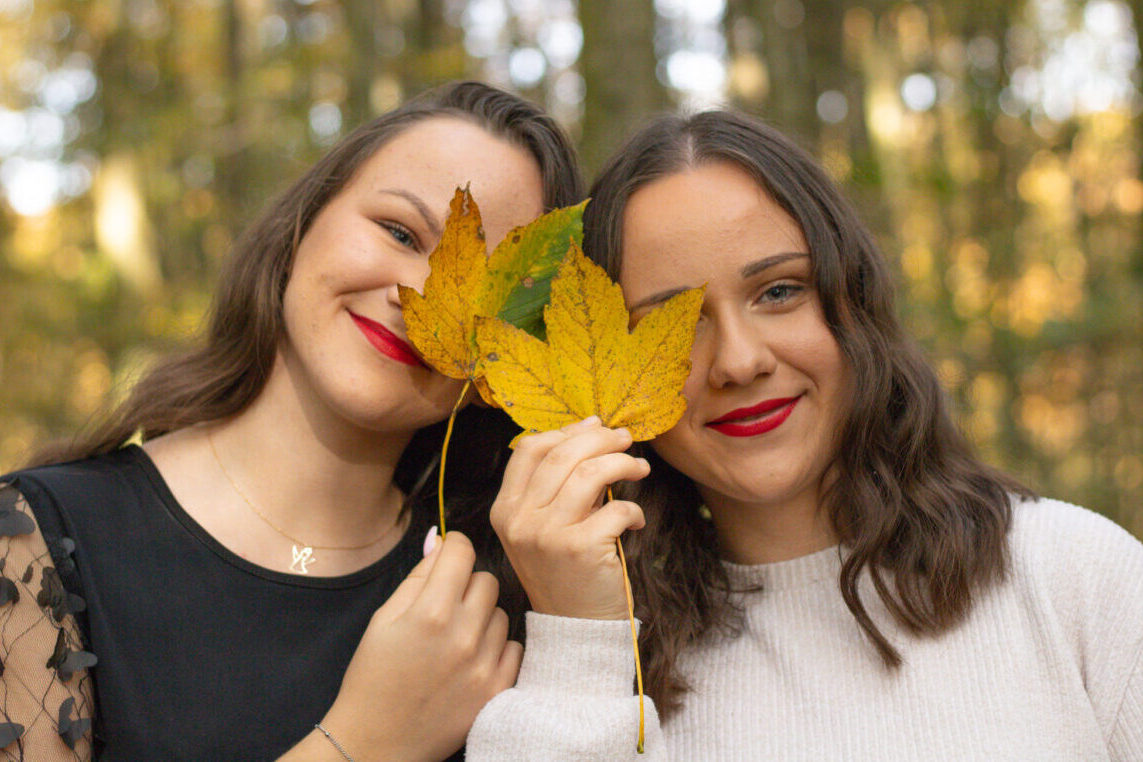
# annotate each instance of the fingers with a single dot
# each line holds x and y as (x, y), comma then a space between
(531, 451)
(410, 588)
(510, 659)
(455, 597)
(480, 599)
(527, 455)
(566, 457)
(449, 574)
(613, 519)
(587, 482)
(495, 636)
(476, 631)
(576, 454)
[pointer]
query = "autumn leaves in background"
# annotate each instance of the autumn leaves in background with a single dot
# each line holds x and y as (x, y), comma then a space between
(543, 333)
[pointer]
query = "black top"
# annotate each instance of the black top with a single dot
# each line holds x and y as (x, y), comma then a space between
(202, 654)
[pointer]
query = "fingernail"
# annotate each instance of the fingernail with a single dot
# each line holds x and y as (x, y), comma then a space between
(591, 420)
(430, 540)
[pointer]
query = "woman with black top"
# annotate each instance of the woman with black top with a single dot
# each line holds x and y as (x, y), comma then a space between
(248, 583)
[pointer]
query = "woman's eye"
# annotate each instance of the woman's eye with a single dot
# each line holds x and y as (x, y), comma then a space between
(779, 293)
(401, 234)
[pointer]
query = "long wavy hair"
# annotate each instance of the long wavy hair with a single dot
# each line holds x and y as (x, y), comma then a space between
(222, 375)
(913, 507)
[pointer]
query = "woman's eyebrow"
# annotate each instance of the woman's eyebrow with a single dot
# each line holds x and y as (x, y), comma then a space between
(421, 207)
(771, 261)
(747, 271)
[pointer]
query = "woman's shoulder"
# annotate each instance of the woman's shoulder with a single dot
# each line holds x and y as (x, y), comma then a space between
(93, 466)
(1079, 576)
(1057, 535)
(1082, 567)
(41, 648)
(92, 477)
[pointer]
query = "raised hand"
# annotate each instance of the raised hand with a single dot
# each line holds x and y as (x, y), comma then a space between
(431, 658)
(557, 533)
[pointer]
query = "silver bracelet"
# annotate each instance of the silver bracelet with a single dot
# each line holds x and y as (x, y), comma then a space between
(333, 741)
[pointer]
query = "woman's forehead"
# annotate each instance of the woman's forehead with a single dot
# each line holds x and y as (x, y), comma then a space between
(703, 221)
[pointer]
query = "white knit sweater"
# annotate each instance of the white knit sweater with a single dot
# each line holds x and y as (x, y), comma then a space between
(1048, 666)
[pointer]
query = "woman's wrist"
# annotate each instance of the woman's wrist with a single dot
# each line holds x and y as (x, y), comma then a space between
(334, 742)
(313, 748)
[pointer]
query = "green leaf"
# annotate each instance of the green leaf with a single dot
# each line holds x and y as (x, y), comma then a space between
(528, 259)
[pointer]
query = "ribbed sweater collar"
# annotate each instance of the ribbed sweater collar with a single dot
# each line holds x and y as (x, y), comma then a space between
(786, 575)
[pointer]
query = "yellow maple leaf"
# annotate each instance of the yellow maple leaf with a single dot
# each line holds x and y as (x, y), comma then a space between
(465, 282)
(591, 364)
(440, 323)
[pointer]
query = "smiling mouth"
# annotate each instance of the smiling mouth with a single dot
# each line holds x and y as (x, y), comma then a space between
(386, 342)
(756, 419)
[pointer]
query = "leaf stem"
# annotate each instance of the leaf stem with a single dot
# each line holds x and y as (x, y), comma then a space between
(634, 632)
(444, 452)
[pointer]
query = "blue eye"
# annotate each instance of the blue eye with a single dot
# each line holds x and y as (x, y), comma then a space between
(400, 234)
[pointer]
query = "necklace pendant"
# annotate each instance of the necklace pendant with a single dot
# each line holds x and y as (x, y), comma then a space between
(302, 557)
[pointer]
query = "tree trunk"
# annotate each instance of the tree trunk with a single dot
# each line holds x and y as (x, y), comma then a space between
(618, 66)
(361, 20)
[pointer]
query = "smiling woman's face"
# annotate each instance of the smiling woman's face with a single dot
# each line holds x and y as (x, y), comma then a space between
(345, 349)
(768, 388)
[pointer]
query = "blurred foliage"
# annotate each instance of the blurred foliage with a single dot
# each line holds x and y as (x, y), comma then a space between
(138, 136)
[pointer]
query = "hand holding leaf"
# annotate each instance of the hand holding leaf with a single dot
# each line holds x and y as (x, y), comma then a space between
(591, 364)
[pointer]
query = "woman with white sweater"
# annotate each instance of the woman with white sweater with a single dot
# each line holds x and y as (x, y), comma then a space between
(825, 570)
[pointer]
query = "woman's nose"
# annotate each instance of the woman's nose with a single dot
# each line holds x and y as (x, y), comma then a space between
(412, 273)
(740, 355)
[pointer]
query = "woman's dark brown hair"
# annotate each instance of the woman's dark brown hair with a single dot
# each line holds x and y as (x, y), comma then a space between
(227, 372)
(910, 503)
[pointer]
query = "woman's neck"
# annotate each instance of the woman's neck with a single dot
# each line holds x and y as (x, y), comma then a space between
(757, 533)
(312, 471)
(285, 485)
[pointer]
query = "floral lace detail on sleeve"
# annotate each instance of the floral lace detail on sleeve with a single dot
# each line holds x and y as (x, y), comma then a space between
(45, 691)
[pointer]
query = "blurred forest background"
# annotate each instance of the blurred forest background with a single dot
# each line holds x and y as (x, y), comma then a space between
(995, 147)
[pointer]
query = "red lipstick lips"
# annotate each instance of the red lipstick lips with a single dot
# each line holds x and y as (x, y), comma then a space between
(386, 342)
(734, 424)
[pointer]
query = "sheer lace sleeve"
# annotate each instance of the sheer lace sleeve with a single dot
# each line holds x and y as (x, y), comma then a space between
(45, 691)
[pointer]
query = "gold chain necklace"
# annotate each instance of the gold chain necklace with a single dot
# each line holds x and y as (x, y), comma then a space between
(301, 552)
